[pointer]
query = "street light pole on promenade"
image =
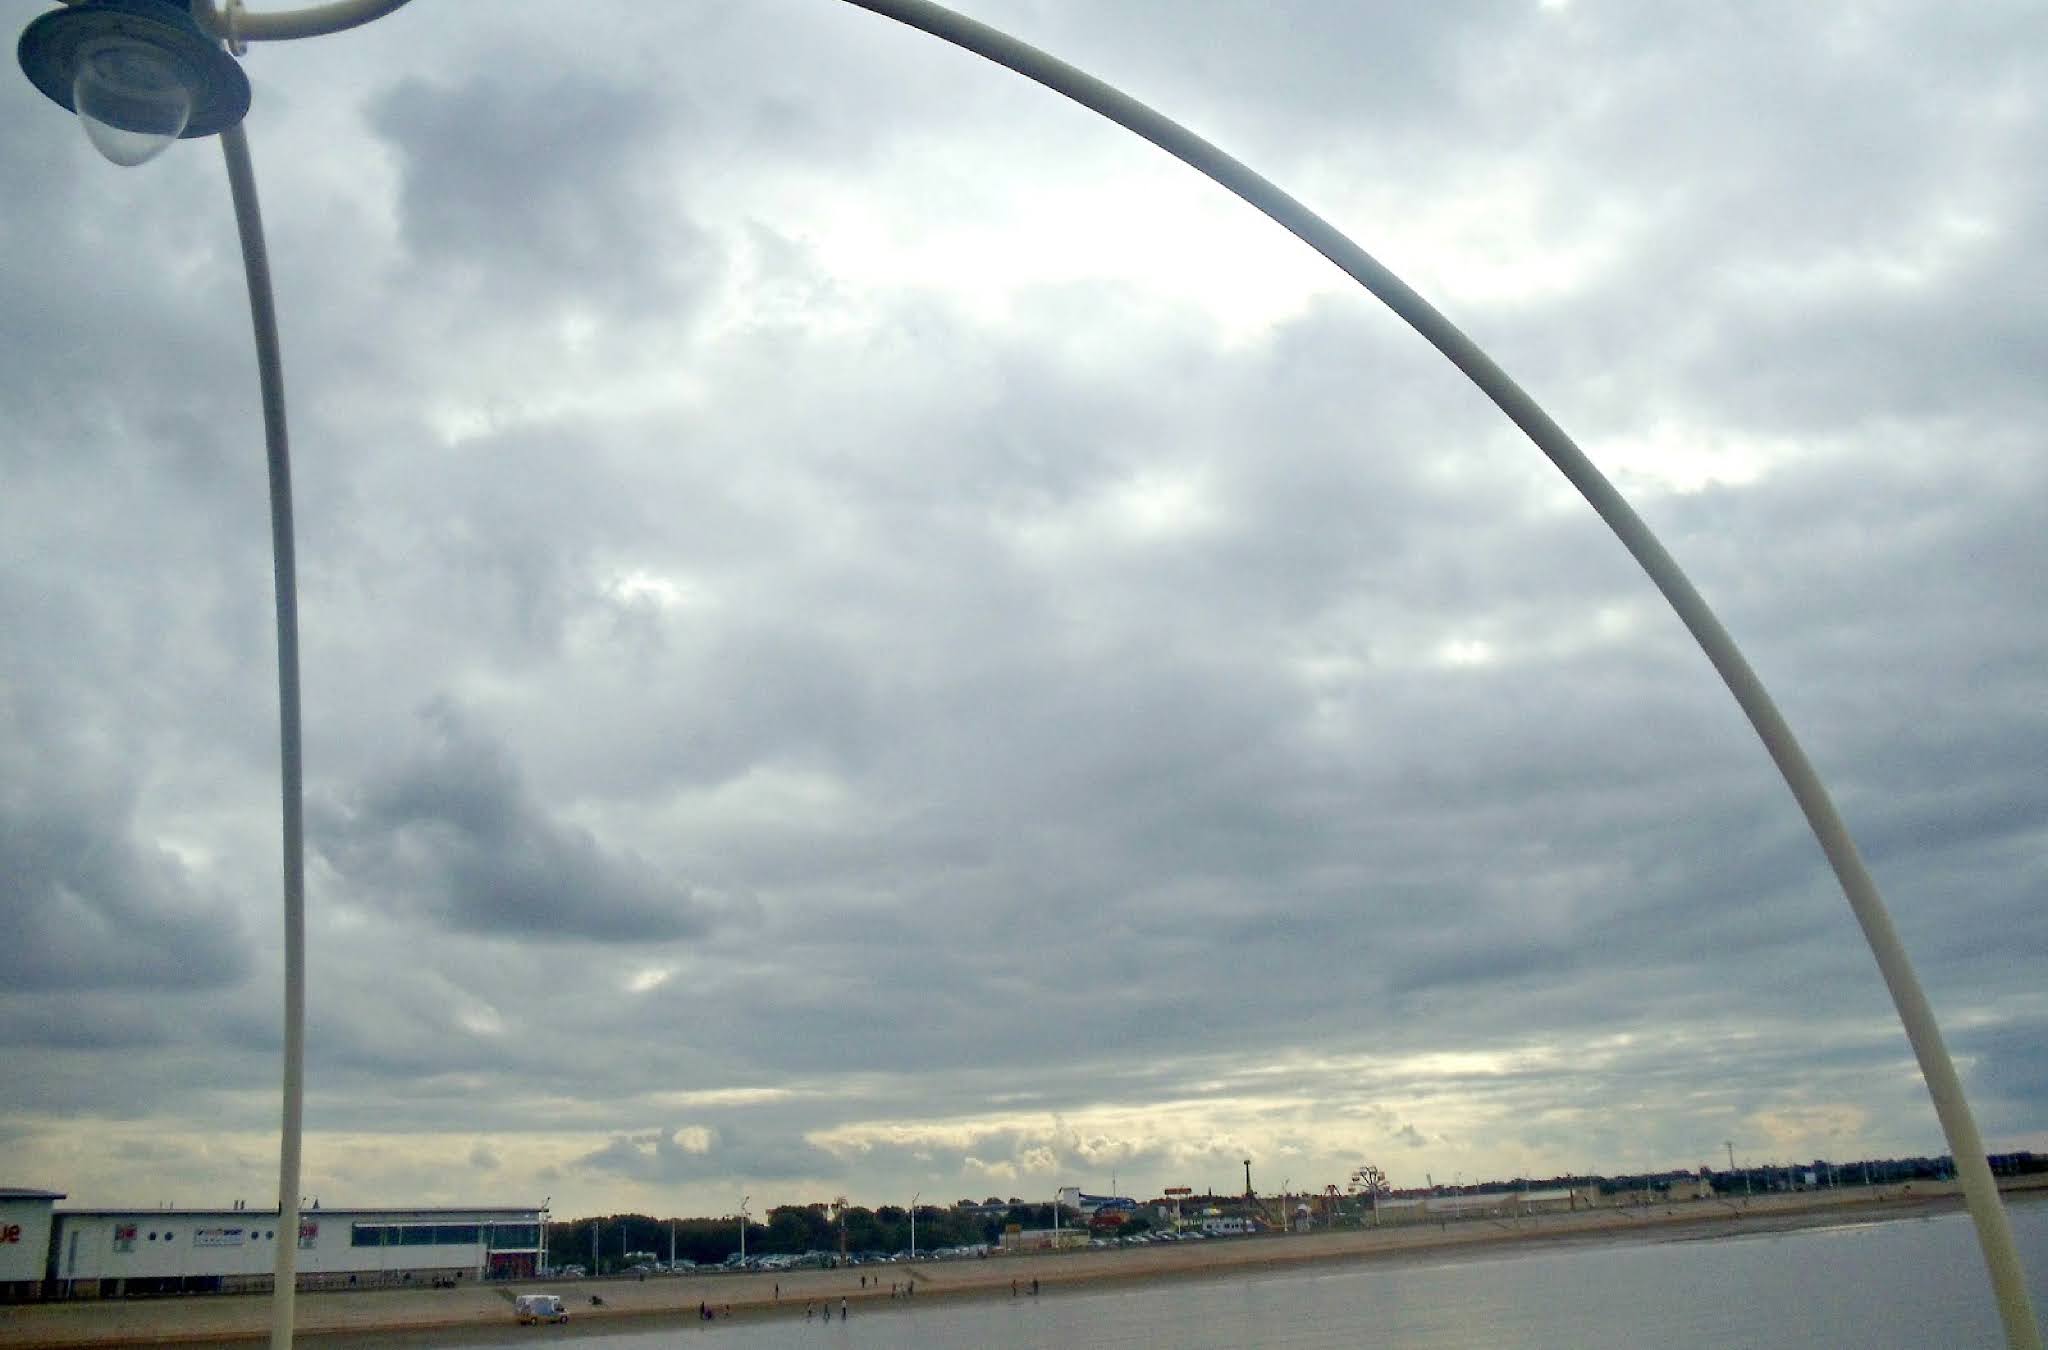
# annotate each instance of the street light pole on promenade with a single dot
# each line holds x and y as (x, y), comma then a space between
(172, 71)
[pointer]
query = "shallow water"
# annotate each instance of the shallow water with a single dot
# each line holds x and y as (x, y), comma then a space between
(1906, 1284)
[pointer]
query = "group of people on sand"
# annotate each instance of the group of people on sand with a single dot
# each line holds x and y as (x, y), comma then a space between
(707, 1313)
(811, 1309)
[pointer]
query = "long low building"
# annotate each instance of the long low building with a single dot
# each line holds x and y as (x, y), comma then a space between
(1412, 1206)
(109, 1253)
(24, 1241)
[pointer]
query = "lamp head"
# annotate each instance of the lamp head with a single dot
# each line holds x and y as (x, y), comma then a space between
(139, 74)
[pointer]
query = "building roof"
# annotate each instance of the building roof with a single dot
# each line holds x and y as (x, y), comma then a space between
(28, 1193)
(398, 1213)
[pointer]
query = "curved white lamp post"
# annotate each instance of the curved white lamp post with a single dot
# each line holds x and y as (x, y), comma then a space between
(92, 33)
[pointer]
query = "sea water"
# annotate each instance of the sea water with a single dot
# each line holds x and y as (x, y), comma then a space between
(1903, 1284)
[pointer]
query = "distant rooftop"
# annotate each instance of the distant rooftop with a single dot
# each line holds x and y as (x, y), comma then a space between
(28, 1193)
(308, 1213)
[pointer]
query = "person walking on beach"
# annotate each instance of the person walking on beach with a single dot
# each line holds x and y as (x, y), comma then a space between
(842, 1307)
(810, 1311)
(1013, 1289)
(1034, 1286)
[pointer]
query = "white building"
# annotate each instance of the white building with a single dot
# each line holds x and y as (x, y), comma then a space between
(24, 1241)
(108, 1253)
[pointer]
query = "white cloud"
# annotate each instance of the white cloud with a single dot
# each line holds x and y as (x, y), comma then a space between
(649, 978)
(694, 1139)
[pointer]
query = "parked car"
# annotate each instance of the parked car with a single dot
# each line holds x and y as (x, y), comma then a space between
(534, 1308)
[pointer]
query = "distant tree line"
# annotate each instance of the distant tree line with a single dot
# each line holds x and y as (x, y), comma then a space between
(796, 1229)
(788, 1229)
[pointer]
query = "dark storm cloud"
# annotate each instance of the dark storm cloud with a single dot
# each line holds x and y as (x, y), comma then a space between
(453, 834)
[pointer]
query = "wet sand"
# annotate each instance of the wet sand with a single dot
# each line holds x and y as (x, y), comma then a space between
(420, 1317)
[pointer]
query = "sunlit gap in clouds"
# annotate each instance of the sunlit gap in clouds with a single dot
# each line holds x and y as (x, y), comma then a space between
(649, 978)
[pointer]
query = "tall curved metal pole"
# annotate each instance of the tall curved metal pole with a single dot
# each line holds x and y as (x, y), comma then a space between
(234, 26)
(234, 145)
(1994, 1232)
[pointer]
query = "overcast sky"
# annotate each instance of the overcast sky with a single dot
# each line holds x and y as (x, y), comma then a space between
(866, 632)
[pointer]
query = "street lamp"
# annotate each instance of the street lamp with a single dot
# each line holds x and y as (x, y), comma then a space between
(744, 1201)
(913, 1223)
(128, 74)
(139, 74)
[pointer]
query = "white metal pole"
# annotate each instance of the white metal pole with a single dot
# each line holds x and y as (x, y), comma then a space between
(1916, 1015)
(234, 143)
(234, 26)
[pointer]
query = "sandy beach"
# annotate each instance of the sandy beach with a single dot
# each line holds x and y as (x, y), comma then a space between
(396, 1318)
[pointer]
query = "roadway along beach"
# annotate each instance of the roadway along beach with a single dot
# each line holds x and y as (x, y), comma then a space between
(442, 1316)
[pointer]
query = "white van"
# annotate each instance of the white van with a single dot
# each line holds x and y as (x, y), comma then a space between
(532, 1308)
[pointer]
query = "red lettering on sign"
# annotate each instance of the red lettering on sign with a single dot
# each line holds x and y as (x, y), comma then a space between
(10, 1233)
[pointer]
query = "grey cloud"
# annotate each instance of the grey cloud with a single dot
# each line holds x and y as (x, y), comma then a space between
(558, 185)
(840, 605)
(86, 910)
(454, 833)
(765, 1150)
(88, 902)
(2012, 1066)
(43, 1024)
